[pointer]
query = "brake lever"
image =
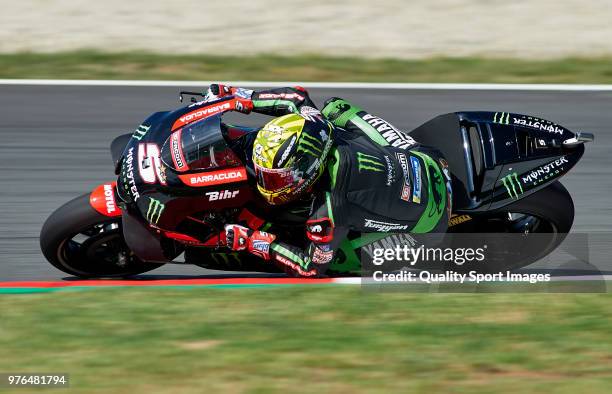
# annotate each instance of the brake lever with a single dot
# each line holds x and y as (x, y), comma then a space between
(192, 99)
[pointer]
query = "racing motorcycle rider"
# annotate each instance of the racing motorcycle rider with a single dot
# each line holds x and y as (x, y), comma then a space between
(359, 172)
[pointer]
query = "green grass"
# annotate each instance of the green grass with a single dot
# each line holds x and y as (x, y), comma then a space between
(305, 339)
(93, 65)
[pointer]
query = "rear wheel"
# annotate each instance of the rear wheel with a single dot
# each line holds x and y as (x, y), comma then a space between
(546, 216)
(80, 241)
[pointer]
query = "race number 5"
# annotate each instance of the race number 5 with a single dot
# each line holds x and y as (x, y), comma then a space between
(149, 164)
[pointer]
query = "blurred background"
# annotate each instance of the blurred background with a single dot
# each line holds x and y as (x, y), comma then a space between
(390, 40)
(535, 29)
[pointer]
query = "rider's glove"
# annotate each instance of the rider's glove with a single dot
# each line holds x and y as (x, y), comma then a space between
(243, 96)
(240, 238)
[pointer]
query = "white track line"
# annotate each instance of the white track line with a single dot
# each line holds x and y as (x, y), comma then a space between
(320, 85)
(580, 278)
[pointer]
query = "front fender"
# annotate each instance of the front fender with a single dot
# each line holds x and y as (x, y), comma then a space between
(103, 200)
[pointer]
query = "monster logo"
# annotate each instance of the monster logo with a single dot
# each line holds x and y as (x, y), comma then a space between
(140, 132)
(501, 118)
(513, 185)
(310, 145)
(155, 210)
(369, 163)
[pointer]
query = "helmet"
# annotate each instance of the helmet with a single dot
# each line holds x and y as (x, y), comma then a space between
(289, 154)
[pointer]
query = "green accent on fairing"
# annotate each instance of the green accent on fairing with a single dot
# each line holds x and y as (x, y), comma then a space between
(332, 111)
(368, 162)
(333, 167)
(266, 226)
(501, 119)
(272, 103)
(432, 214)
(369, 130)
(288, 254)
(510, 181)
(140, 132)
(155, 210)
(330, 212)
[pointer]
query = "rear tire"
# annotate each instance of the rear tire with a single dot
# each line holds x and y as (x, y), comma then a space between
(548, 212)
(102, 253)
(553, 204)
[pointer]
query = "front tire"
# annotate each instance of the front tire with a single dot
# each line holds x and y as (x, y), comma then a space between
(82, 242)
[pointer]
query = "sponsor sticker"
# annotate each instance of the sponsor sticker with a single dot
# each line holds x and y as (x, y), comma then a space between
(512, 185)
(109, 198)
(544, 172)
(285, 96)
(320, 256)
(130, 182)
(405, 191)
(458, 219)
(416, 176)
(538, 124)
(243, 93)
(320, 230)
(211, 178)
(390, 171)
(384, 227)
(102, 199)
(390, 133)
(222, 195)
(286, 151)
(202, 113)
(155, 210)
(176, 151)
(261, 245)
(285, 261)
(317, 228)
(140, 132)
(367, 162)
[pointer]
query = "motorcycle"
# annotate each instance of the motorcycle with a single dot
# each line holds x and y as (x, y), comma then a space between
(504, 169)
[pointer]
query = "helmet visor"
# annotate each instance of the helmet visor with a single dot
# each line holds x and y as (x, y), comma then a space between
(274, 180)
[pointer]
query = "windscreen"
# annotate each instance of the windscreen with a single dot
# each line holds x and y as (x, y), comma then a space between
(198, 146)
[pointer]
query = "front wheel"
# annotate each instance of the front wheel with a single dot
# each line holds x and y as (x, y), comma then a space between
(80, 241)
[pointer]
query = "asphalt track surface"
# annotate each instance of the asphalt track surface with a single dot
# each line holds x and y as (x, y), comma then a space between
(54, 146)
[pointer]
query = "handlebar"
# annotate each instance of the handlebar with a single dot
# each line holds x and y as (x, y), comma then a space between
(192, 99)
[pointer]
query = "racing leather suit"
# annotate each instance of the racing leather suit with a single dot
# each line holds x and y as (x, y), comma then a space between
(379, 180)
